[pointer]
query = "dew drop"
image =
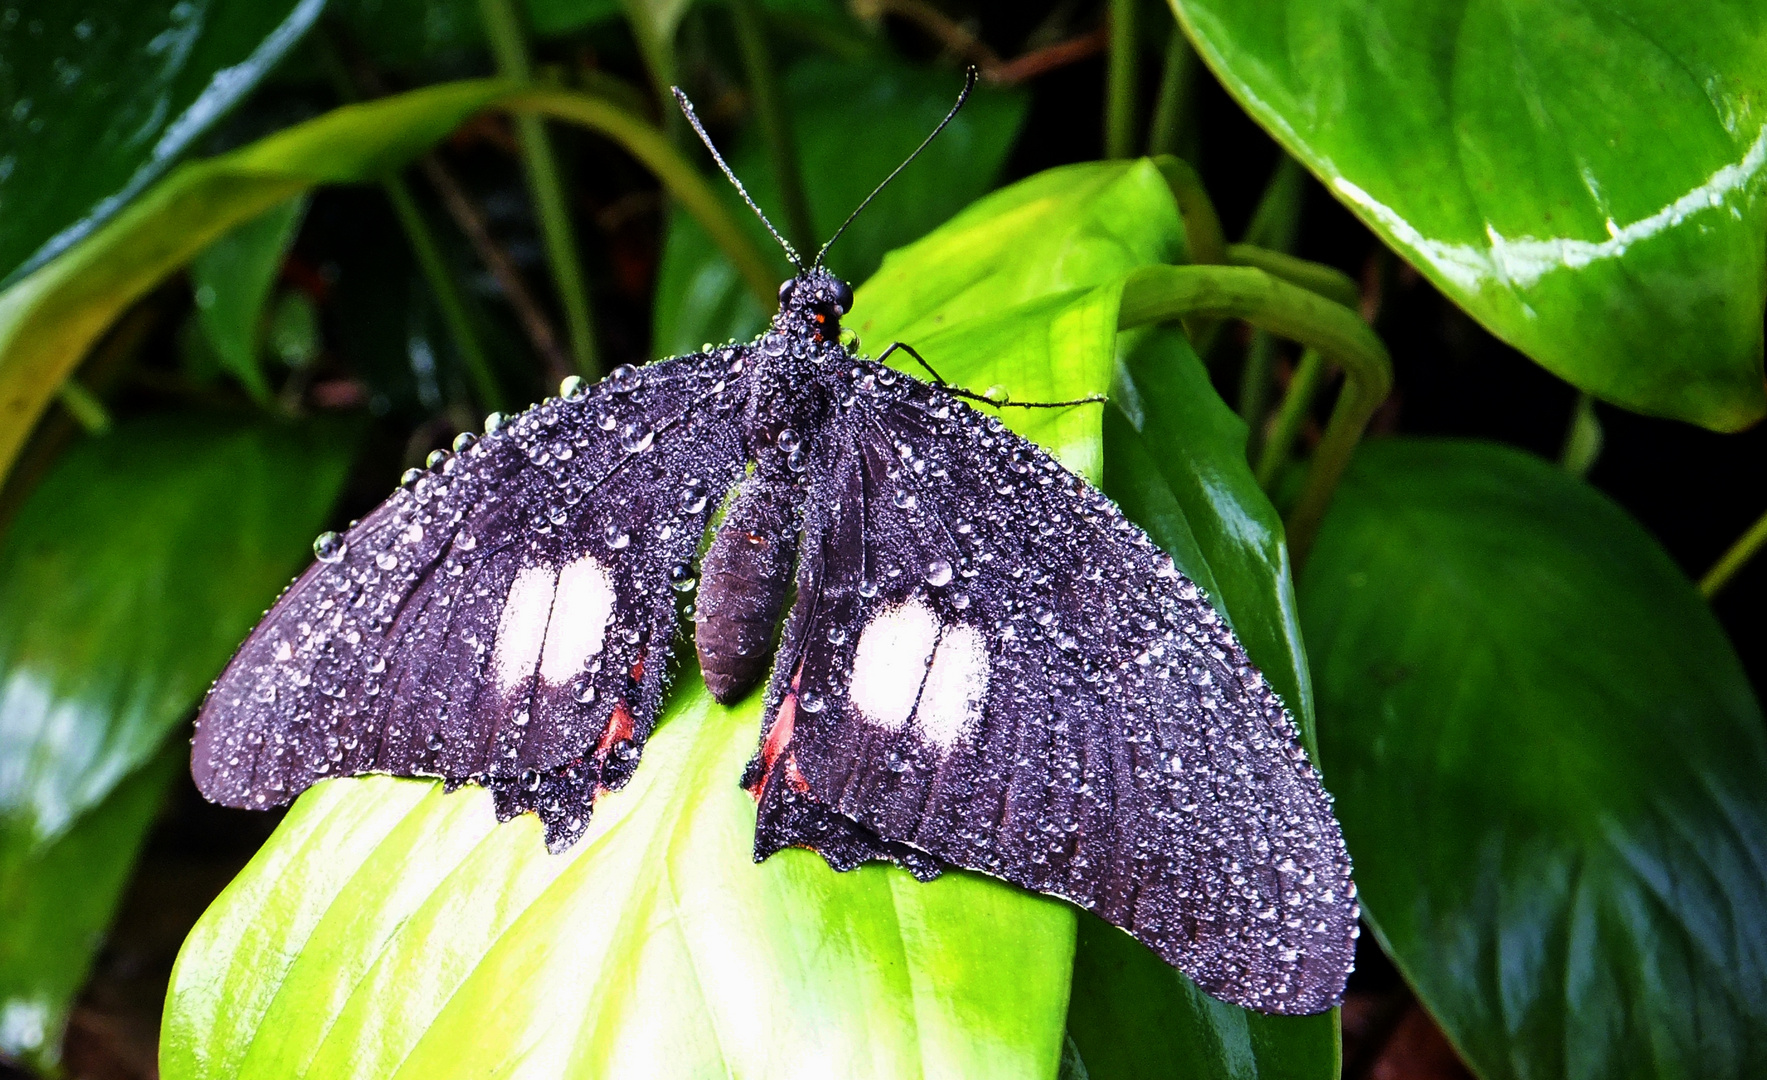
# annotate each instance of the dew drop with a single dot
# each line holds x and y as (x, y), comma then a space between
(330, 547)
(624, 379)
(616, 537)
(938, 572)
(787, 440)
(463, 442)
(636, 438)
(494, 422)
(693, 496)
(571, 387)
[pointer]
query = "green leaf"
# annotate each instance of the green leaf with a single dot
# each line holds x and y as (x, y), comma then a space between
(56, 899)
(103, 97)
(391, 930)
(1588, 181)
(126, 580)
(1230, 539)
(1175, 461)
(1021, 291)
(1550, 768)
(233, 278)
(853, 123)
(1131, 1017)
(50, 319)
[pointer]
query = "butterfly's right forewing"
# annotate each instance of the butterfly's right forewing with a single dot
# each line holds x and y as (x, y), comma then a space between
(505, 619)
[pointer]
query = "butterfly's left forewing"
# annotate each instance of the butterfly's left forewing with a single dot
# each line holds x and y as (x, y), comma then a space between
(506, 618)
(989, 667)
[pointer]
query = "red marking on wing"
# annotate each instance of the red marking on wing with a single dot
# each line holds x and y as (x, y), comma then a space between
(780, 733)
(619, 729)
(638, 670)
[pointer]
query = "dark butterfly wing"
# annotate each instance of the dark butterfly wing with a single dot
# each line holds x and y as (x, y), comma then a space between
(988, 666)
(506, 618)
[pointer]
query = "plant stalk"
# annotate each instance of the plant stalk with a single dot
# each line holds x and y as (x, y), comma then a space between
(447, 292)
(1583, 438)
(656, 152)
(1302, 386)
(83, 405)
(1164, 293)
(1169, 130)
(1735, 559)
(1120, 84)
(509, 47)
(776, 130)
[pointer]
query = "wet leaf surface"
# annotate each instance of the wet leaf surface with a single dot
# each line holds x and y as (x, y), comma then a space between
(101, 99)
(1589, 182)
(125, 582)
(1551, 769)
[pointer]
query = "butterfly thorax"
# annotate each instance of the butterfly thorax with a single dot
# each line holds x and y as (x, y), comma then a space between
(746, 572)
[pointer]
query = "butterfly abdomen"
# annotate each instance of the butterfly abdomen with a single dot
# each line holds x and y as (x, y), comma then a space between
(743, 581)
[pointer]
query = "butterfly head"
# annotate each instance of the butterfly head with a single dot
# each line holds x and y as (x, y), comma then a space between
(812, 303)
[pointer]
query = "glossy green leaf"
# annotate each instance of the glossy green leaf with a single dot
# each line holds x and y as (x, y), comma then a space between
(853, 123)
(50, 319)
(102, 97)
(1588, 181)
(126, 580)
(1020, 292)
(1550, 768)
(232, 279)
(1175, 462)
(1132, 1018)
(57, 897)
(388, 930)
(1196, 446)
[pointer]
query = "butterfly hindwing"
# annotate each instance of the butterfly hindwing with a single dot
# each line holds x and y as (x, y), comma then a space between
(506, 618)
(989, 667)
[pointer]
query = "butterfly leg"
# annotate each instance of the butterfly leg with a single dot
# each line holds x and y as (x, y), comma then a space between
(1091, 399)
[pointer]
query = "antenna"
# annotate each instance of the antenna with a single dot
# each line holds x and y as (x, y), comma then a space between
(693, 118)
(969, 83)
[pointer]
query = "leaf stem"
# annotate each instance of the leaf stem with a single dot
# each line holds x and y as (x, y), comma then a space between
(1583, 438)
(83, 405)
(509, 47)
(1202, 227)
(1302, 386)
(447, 293)
(1727, 566)
(1162, 293)
(1333, 284)
(656, 152)
(515, 288)
(776, 130)
(1169, 131)
(1120, 84)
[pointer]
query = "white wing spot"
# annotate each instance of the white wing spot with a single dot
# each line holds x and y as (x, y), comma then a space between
(521, 630)
(890, 663)
(581, 612)
(951, 701)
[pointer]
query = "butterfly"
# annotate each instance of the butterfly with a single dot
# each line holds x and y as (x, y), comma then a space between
(970, 657)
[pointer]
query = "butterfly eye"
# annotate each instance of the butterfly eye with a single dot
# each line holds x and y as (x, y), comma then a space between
(843, 297)
(785, 291)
